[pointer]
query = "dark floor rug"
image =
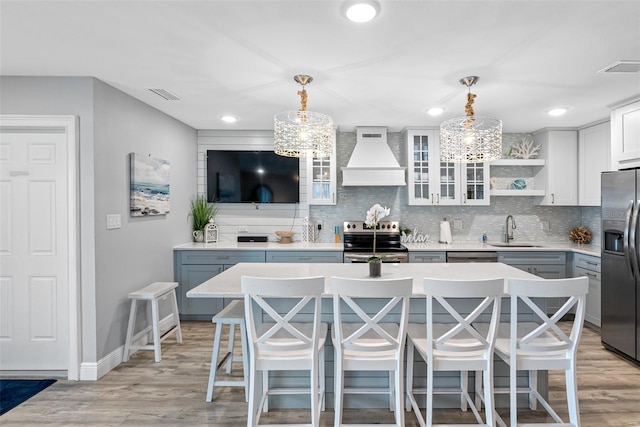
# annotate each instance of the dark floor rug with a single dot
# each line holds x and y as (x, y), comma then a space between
(15, 392)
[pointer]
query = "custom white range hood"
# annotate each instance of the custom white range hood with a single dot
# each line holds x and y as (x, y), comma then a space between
(372, 163)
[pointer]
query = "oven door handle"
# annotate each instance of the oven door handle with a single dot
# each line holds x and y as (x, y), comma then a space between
(386, 258)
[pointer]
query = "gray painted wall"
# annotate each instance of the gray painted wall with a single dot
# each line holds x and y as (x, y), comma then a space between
(141, 251)
(114, 262)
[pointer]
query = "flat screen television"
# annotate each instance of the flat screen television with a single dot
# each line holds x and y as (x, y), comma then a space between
(252, 176)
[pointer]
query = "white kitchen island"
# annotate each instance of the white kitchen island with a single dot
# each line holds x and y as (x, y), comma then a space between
(227, 285)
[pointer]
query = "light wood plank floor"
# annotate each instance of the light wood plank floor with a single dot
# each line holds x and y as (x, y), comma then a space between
(172, 392)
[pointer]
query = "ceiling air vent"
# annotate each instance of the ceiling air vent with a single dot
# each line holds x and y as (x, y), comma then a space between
(623, 66)
(163, 93)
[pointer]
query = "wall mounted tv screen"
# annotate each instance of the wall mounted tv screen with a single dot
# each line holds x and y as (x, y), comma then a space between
(252, 176)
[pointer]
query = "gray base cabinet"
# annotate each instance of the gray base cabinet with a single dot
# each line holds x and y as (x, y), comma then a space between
(585, 265)
(427, 256)
(304, 256)
(548, 265)
(191, 268)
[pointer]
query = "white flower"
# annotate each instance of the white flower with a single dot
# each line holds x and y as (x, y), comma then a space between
(375, 214)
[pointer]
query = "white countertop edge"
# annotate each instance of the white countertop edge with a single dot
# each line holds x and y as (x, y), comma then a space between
(261, 246)
(592, 250)
(227, 283)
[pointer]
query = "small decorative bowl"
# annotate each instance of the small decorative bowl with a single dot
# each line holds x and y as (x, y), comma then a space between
(519, 184)
(285, 236)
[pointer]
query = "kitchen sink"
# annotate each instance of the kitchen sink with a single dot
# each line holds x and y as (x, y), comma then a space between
(514, 245)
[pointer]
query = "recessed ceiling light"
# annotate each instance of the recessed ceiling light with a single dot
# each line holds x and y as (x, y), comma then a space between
(557, 111)
(361, 11)
(435, 111)
(228, 118)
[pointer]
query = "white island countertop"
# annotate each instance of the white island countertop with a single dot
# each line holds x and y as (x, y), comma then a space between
(227, 283)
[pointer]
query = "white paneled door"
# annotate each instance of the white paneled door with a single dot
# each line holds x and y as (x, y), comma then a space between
(34, 250)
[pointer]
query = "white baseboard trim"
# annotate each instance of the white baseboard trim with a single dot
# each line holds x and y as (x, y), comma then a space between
(95, 371)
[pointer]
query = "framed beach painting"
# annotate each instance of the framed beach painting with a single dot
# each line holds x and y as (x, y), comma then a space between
(149, 185)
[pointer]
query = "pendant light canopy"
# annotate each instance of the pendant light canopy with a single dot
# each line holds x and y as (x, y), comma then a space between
(303, 133)
(470, 139)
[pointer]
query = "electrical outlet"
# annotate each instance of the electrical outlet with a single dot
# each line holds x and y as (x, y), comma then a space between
(243, 229)
(457, 224)
(320, 224)
(545, 225)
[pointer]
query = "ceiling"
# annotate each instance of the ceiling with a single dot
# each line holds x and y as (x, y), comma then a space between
(239, 57)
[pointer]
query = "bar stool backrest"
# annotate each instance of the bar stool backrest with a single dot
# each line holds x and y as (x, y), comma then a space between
(371, 336)
(548, 336)
(461, 335)
(276, 326)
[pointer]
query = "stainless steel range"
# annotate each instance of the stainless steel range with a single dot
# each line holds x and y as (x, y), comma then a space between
(358, 242)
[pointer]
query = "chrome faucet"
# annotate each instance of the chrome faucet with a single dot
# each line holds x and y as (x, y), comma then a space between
(509, 236)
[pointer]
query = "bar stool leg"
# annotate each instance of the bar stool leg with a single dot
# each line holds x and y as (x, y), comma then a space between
(176, 317)
(130, 329)
(214, 361)
(232, 337)
(265, 387)
(156, 330)
(464, 386)
(533, 385)
(245, 360)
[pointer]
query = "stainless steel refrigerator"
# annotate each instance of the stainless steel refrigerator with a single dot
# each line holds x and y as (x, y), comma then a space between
(621, 262)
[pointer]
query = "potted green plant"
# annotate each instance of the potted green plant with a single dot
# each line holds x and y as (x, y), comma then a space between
(201, 212)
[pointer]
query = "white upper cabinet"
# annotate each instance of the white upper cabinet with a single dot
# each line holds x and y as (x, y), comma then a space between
(432, 182)
(625, 134)
(422, 158)
(321, 180)
(559, 176)
(594, 148)
(475, 183)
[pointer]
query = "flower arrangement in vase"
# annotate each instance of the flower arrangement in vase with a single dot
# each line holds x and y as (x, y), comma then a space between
(374, 215)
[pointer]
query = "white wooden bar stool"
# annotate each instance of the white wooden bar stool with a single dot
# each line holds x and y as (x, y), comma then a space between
(232, 315)
(370, 342)
(153, 293)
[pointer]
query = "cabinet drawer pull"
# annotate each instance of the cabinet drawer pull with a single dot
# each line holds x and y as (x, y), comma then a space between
(222, 257)
(590, 274)
(591, 263)
(304, 258)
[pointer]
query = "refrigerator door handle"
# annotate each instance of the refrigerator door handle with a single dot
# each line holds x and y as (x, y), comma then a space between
(633, 253)
(626, 241)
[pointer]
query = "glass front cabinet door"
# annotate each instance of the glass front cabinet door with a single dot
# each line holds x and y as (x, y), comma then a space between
(432, 182)
(475, 183)
(321, 180)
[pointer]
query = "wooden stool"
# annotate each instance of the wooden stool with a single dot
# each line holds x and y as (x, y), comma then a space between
(232, 315)
(152, 293)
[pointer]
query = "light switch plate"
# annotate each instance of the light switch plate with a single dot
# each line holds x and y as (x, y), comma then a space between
(113, 221)
(457, 224)
(545, 225)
